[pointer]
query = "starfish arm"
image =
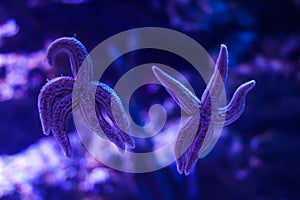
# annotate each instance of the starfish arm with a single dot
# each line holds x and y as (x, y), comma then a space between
(109, 130)
(194, 151)
(235, 108)
(77, 54)
(183, 96)
(110, 102)
(120, 121)
(51, 91)
(184, 139)
(88, 113)
(222, 63)
(210, 140)
(61, 109)
(215, 87)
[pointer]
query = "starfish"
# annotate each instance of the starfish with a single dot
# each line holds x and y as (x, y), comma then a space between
(55, 99)
(196, 136)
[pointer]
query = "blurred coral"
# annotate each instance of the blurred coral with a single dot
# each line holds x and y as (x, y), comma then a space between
(21, 72)
(8, 29)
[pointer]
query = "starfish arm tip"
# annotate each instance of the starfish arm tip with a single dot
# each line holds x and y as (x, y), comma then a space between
(154, 67)
(46, 130)
(223, 47)
(187, 169)
(187, 172)
(191, 162)
(179, 169)
(180, 164)
(252, 82)
(246, 87)
(223, 54)
(157, 71)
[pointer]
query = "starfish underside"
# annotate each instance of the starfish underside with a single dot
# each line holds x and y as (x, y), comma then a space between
(55, 99)
(195, 138)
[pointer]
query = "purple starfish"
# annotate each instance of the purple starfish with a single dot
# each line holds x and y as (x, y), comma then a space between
(55, 99)
(196, 137)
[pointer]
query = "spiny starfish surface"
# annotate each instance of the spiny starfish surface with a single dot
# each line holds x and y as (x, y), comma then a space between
(55, 99)
(207, 116)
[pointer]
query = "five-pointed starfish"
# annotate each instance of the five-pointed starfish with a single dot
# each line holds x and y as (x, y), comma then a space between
(197, 132)
(55, 99)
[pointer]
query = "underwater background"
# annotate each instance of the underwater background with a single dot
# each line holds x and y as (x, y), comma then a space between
(257, 157)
